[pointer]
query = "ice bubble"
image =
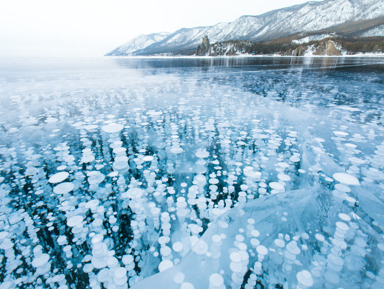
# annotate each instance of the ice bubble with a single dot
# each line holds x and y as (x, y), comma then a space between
(88, 268)
(112, 127)
(202, 153)
(74, 221)
(335, 263)
(120, 164)
(235, 267)
(342, 188)
(112, 262)
(176, 150)
(331, 277)
(63, 188)
(179, 278)
(255, 242)
(103, 275)
(277, 186)
(279, 243)
(40, 261)
(165, 251)
(62, 240)
(294, 159)
(113, 174)
(283, 165)
(200, 179)
(216, 280)
(340, 133)
(348, 108)
(255, 233)
(235, 257)
(92, 204)
(305, 278)
(165, 265)
(120, 276)
(380, 246)
(148, 158)
(134, 193)
(163, 240)
(350, 199)
(242, 247)
(58, 177)
(127, 259)
(292, 248)
(344, 217)
(284, 177)
(357, 161)
(3, 235)
(186, 285)
(7, 285)
(200, 248)
(346, 179)
(342, 226)
(87, 158)
(319, 237)
(216, 239)
(177, 247)
(262, 250)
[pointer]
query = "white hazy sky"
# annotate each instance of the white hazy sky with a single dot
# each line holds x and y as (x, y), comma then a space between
(94, 27)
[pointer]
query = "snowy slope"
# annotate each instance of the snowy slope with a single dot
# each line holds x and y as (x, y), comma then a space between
(306, 17)
(378, 31)
(138, 43)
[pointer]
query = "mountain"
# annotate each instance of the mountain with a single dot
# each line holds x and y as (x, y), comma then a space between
(299, 19)
(138, 43)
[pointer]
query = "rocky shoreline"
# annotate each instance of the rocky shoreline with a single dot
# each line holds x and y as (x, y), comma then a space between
(332, 46)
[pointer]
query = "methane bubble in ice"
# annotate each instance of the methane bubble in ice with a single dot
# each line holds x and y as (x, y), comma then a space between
(40, 261)
(346, 179)
(63, 188)
(165, 265)
(112, 127)
(58, 177)
(74, 221)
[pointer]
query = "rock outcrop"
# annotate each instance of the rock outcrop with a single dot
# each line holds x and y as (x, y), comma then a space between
(203, 48)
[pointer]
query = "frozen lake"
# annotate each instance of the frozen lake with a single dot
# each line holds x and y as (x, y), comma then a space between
(192, 173)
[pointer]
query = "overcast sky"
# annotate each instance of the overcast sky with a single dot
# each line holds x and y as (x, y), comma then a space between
(94, 27)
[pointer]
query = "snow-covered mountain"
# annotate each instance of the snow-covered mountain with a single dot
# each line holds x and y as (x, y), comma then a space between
(138, 43)
(310, 16)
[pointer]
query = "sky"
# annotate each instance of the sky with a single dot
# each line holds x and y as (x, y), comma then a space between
(38, 28)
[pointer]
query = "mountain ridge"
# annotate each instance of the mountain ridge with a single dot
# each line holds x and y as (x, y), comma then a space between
(302, 18)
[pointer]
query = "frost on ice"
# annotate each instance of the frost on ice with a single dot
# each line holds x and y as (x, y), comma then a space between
(216, 180)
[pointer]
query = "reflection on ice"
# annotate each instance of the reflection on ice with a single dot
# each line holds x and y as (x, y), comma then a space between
(236, 177)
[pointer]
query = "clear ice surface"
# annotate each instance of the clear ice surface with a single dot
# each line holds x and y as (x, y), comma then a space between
(192, 173)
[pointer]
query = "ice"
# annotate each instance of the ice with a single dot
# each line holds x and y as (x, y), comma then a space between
(193, 175)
